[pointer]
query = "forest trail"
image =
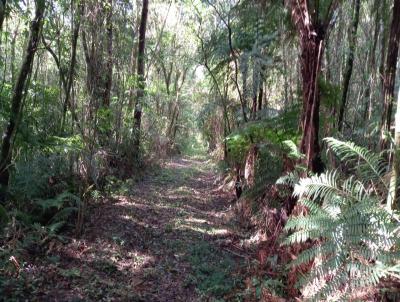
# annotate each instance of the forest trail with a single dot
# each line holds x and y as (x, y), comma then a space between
(167, 240)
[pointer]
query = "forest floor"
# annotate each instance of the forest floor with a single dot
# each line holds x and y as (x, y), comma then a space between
(167, 239)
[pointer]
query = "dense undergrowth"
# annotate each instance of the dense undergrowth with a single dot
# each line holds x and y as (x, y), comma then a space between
(330, 236)
(114, 113)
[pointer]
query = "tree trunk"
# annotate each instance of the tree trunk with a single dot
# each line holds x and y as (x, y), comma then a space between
(234, 58)
(260, 96)
(254, 107)
(109, 62)
(140, 75)
(394, 180)
(371, 65)
(2, 12)
(16, 101)
(71, 71)
(311, 54)
(285, 80)
(390, 70)
(311, 35)
(13, 46)
(383, 34)
(350, 62)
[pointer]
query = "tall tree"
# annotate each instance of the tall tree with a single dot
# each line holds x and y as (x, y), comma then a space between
(140, 77)
(97, 38)
(67, 74)
(234, 57)
(2, 12)
(17, 96)
(350, 61)
(109, 60)
(390, 69)
(312, 23)
(71, 71)
(395, 177)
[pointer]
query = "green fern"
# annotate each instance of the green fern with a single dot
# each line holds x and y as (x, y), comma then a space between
(370, 166)
(356, 238)
(292, 150)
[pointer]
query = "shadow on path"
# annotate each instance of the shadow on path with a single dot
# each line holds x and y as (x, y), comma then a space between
(160, 242)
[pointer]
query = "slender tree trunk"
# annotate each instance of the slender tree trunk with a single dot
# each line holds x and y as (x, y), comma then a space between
(13, 44)
(176, 126)
(109, 62)
(256, 85)
(311, 60)
(3, 4)
(133, 57)
(260, 96)
(394, 180)
(254, 107)
(141, 80)
(242, 96)
(234, 56)
(285, 80)
(390, 70)
(17, 97)
(71, 71)
(350, 62)
(371, 67)
(384, 33)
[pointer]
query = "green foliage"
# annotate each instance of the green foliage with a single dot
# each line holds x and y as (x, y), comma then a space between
(292, 151)
(212, 275)
(356, 240)
(39, 176)
(365, 164)
(105, 120)
(274, 131)
(267, 169)
(63, 205)
(274, 286)
(330, 94)
(51, 213)
(63, 145)
(4, 218)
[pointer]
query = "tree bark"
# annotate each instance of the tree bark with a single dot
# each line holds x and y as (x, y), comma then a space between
(16, 101)
(260, 97)
(311, 54)
(390, 70)
(3, 4)
(109, 62)
(350, 62)
(371, 65)
(394, 180)
(140, 75)
(71, 71)
(311, 35)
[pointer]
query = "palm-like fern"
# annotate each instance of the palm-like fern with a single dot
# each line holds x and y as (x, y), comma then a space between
(356, 238)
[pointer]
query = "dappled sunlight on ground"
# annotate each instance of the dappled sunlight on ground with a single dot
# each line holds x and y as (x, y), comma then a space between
(148, 245)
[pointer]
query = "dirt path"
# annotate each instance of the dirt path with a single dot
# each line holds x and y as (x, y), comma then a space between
(165, 240)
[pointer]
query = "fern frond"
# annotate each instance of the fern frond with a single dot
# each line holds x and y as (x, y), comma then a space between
(318, 186)
(290, 179)
(374, 166)
(315, 222)
(357, 238)
(292, 150)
